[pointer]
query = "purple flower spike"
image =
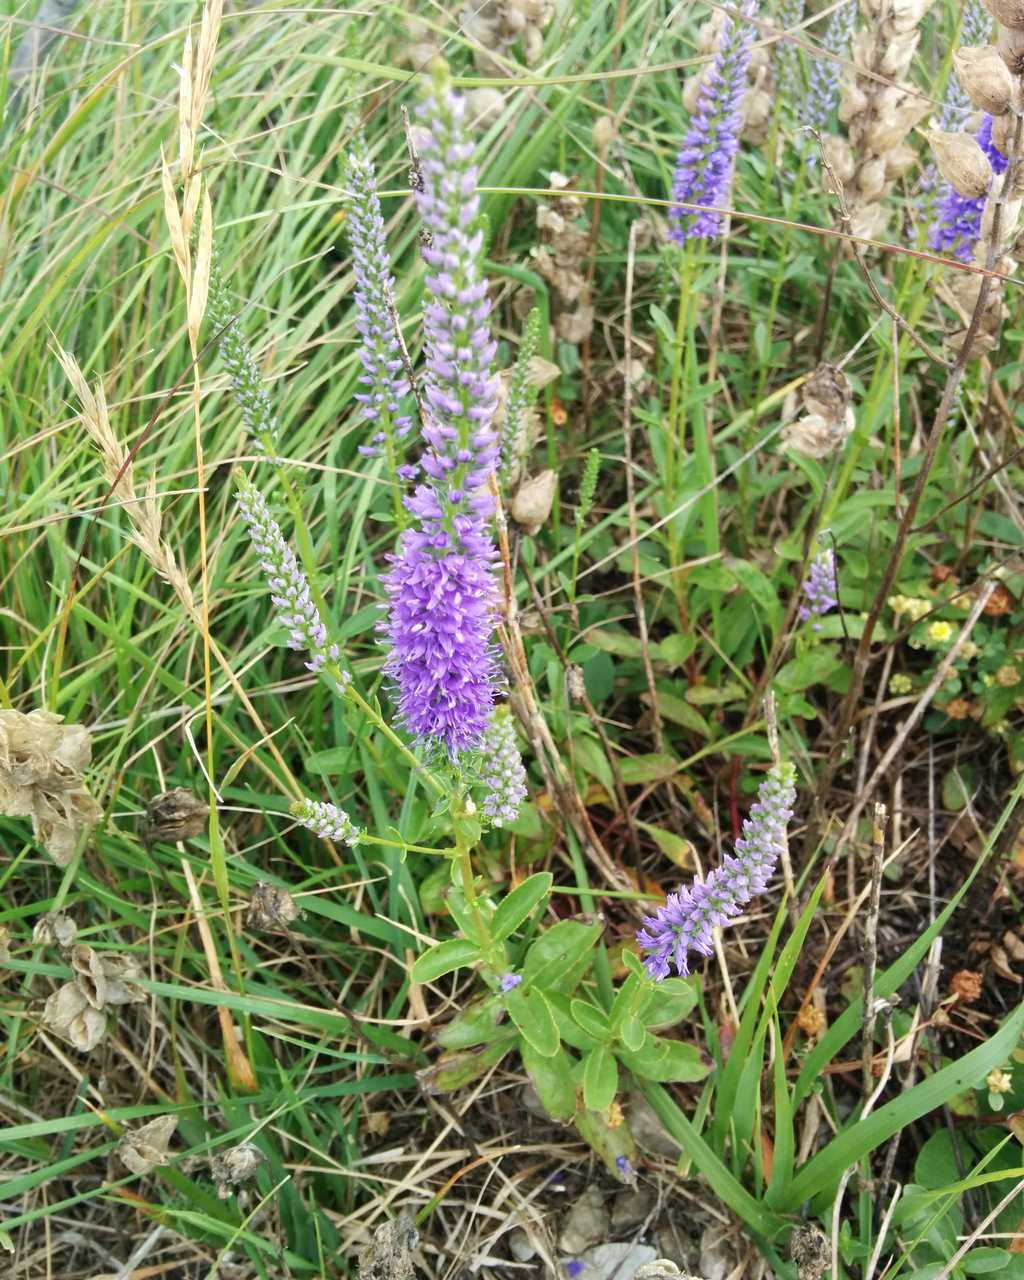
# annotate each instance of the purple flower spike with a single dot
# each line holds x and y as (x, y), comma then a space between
(820, 588)
(705, 165)
(288, 585)
(441, 586)
(503, 772)
(510, 981)
(383, 375)
(823, 82)
(326, 821)
(957, 218)
(686, 921)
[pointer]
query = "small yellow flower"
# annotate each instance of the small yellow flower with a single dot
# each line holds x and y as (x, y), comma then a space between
(898, 604)
(900, 684)
(917, 608)
(939, 632)
(968, 650)
(1007, 675)
(998, 1081)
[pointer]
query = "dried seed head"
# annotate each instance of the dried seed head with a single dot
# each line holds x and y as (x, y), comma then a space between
(533, 501)
(483, 107)
(811, 1250)
(984, 78)
(106, 979)
(142, 1150)
(961, 162)
(1008, 13)
(174, 815)
(228, 1168)
(55, 929)
(604, 132)
(1010, 44)
(271, 909)
(5, 944)
(69, 1015)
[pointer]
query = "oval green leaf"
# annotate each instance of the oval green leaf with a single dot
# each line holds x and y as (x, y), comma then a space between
(518, 905)
(600, 1079)
(446, 957)
(533, 1018)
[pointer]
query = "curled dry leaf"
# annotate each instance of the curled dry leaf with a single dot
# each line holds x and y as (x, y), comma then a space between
(144, 1149)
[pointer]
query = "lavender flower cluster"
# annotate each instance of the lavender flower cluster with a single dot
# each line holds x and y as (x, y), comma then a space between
(686, 921)
(288, 584)
(704, 167)
(326, 821)
(823, 82)
(820, 589)
(957, 224)
(504, 775)
(383, 377)
(246, 383)
(441, 585)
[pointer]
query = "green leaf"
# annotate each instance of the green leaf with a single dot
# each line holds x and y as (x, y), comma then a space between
(517, 906)
(672, 1000)
(636, 770)
(474, 1025)
(679, 711)
(592, 1019)
(674, 847)
(814, 667)
(979, 1262)
(446, 957)
(552, 1078)
(609, 1141)
(568, 1028)
(456, 1070)
(665, 1061)
(600, 1079)
(632, 998)
(632, 1033)
(531, 1013)
(724, 1183)
(561, 955)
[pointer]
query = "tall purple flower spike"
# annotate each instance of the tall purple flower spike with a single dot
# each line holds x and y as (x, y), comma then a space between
(383, 376)
(820, 588)
(441, 585)
(686, 921)
(288, 584)
(957, 223)
(705, 165)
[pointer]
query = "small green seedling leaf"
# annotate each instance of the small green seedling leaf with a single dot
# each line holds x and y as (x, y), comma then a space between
(517, 906)
(446, 957)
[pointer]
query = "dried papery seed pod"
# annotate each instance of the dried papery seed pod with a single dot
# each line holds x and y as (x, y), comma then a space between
(532, 503)
(871, 178)
(900, 161)
(603, 133)
(69, 1015)
(961, 161)
(174, 815)
(228, 1168)
(1002, 133)
(904, 15)
(1008, 13)
(484, 106)
(55, 929)
(271, 909)
(1010, 44)
(827, 391)
(839, 156)
(144, 1149)
(984, 78)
